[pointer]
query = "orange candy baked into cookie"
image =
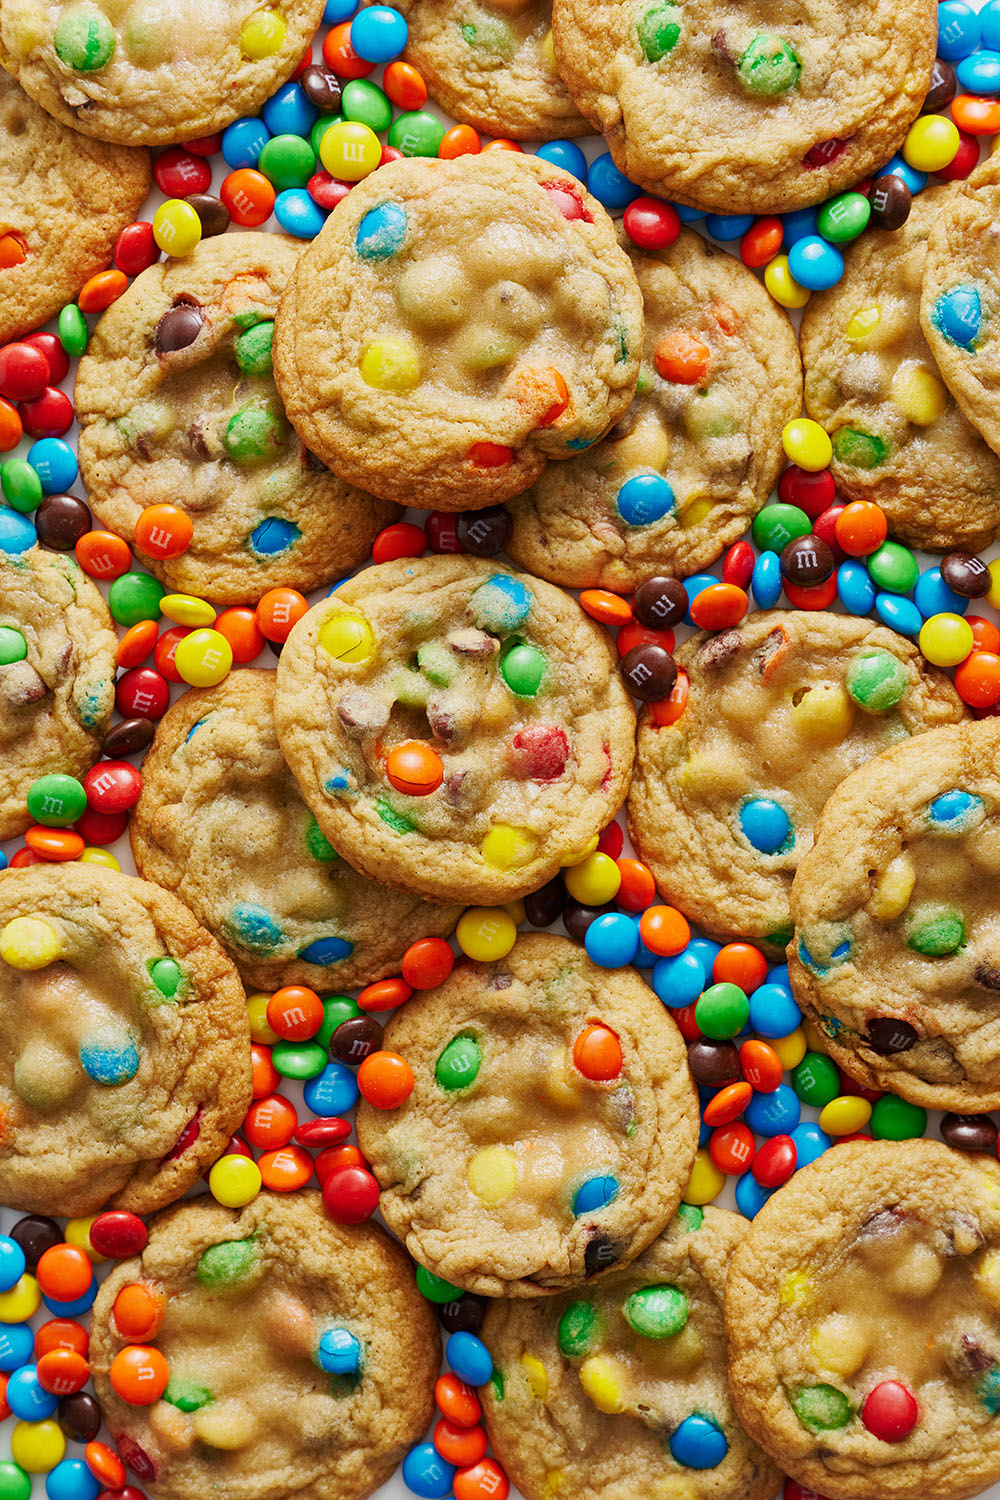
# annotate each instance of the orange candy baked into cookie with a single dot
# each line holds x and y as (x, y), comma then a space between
(455, 326)
(458, 729)
(744, 109)
(552, 1125)
(125, 1043)
(263, 1353)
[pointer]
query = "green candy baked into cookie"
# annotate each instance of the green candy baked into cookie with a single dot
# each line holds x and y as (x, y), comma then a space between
(458, 729)
(221, 823)
(863, 1319)
(124, 1042)
(300, 1355)
(896, 952)
(552, 1125)
(616, 1390)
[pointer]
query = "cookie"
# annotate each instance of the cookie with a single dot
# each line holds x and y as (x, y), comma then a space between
(63, 202)
(863, 1320)
(177, 405)
(57, 675)
(126, 1048)
(552, 1125)
(961, 298)
(620, 1390)
(899, 437)
(300, 1356)
(220, 822)
(458, 730)
(457, 324)
(743, 113)
(896, 954)
(490, 64)
(151, 74)
(698, 451)
(724, 800)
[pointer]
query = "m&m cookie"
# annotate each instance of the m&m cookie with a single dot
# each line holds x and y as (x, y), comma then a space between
(620, 1389)
(263, 1353)
(896, 953)
(457, 325)
(551, 1128)
(184, 444)
(126, 1059)
(221, 823)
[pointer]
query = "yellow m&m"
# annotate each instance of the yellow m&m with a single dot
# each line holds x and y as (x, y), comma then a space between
(176, 228)
(492, 1174)
(30, 943)
(186, 609)
(706, 1181)
(262, 35)
(486, 933)
(347, 638)
(599, 1378)
(390, 365)
(845, 1114)
(782, 284)
(350, 150)
(507, 848)
(234, 1181)
(203, 658)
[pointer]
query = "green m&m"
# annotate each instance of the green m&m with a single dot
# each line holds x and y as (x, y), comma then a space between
(876, 680)
(459, 1063)
(656, 1312)
(579, 1329)
(768, 66)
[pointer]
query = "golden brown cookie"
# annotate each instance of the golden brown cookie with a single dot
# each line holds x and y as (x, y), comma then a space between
(455, 326)
(301, 1356)
(863, 1317)
(150, 74)
(491, 64)
(125, 1043)
(63, 201)
(458, 729)
(221, 823)
(896, 954)
(177, 405)
(57, 675)
(619, 1390)
(551, 1129)
(747, 109)
(899, 438)
(724, 800)
(695, 456)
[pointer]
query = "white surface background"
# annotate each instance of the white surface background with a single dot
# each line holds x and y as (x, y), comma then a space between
(593, 146)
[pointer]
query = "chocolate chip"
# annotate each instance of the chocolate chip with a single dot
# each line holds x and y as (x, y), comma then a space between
(660, 602)
(806, 561)
(212, 212)
(499, 979)
(720, 649)
(362, 712)
(601, 1252)
(974, 1359)
(774, 644)
(80, 1417)
(888, 1034)
(891, 201)
(966, 574)
(179, 327)
(969, 1132)
(578, 917)
(543, 907)
(35, 1234)
(883, 1221)
(356, 1039)
(464, 1315)
(128, 738)
(321, 88)
(987, 975)
(944, 85)
(484, 532)
(713, 1063)
(61, 520)
(649, 672)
